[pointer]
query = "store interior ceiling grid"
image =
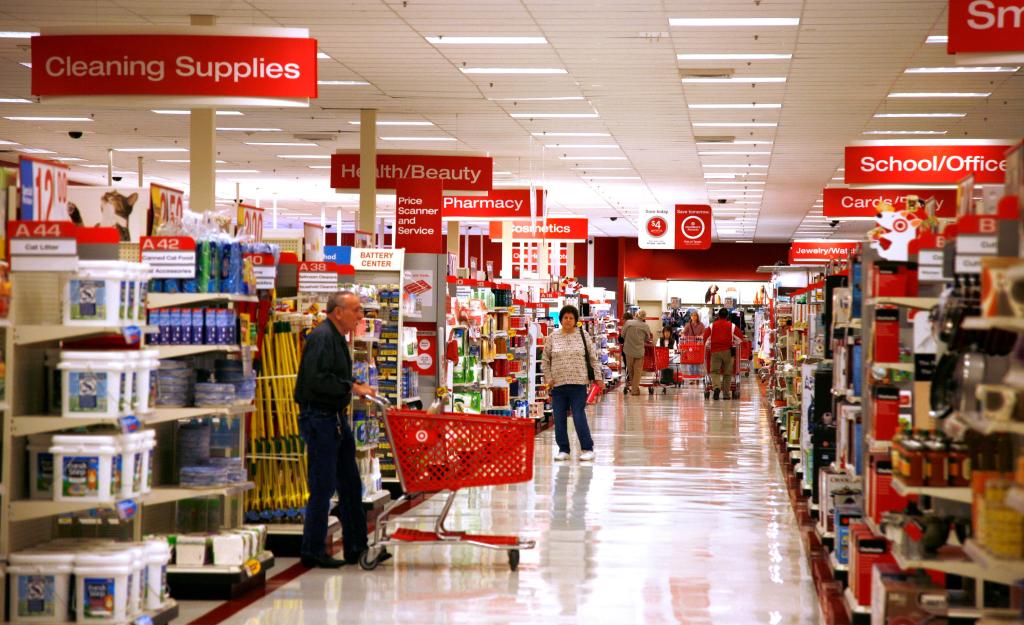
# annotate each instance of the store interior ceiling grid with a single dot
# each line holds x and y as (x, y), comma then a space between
(620, 57)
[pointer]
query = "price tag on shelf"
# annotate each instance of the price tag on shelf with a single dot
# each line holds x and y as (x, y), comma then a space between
(44, 190)
(126, 509)
(252, 567)
(318, 277)
(43, 245)
(169, 257)
(250, 222)
(264, 269)
(129, 424)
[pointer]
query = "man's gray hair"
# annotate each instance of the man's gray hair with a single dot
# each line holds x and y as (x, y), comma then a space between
(335, 299)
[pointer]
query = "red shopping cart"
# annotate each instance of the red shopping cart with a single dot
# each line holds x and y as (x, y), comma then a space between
(734, 385)
(437, 453)
(655, 359)
(691, 357)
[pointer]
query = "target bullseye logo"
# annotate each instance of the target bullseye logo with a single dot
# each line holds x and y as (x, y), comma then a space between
(657, 226)
(692, 227)
(422, 436)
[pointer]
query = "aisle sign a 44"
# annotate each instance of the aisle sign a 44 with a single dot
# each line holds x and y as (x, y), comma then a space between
(250, 222)
(169, 257)
(43, 245)
(44, 190)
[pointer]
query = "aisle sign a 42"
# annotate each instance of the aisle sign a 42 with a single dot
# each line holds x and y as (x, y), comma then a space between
(44, 190)
(250, 222)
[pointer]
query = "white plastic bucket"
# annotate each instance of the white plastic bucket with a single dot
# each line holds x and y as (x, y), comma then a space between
(40, 466)
(102, 586)
(92, 384)
(40, 586)
(142, 273)
(131, 464)
(93, 295)
(146, 460)
(148, 362)
(158, 555)
(86, 468)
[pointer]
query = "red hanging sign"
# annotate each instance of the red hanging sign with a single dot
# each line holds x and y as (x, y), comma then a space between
(552, 229)
(925, 164)
(841, 203)
(418, 217)
(819, 251)
(693, 227)
(497, 204)
(461, 173)
(986, 26)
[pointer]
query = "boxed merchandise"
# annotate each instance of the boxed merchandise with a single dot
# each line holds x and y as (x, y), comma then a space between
(886, 418)
(887, 334)
(900, 598)
(894, 279)
(866, 551)
(191, 550)
(846, 515)
(880, 496)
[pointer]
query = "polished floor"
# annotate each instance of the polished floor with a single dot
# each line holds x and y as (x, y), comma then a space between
(683, 518)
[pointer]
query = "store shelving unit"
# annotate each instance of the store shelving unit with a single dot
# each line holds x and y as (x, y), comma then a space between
(962, 495)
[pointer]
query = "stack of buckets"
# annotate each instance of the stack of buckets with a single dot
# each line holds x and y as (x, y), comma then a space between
(106, 293)
(88, 581)
(100, 468)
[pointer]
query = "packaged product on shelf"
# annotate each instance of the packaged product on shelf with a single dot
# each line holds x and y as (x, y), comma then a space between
(40, 466)
(89, 468)
(40, 586)
(92, 384)
(104, 293)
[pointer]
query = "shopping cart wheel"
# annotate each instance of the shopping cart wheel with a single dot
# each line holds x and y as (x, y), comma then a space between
(369, 559)
(513, 559)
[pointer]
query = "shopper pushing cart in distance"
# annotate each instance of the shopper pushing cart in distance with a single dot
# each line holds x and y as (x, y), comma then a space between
(693, 329)
(636, 335)
(721, 335)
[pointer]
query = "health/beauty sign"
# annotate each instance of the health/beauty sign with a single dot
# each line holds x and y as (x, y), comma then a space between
(986, 26)
(455, 172)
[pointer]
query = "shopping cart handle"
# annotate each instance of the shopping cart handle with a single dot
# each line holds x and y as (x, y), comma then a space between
(381, 404)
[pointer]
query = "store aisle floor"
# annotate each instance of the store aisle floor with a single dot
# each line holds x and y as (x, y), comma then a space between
(683, 518)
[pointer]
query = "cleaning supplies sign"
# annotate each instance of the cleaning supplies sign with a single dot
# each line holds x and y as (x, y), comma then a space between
(105, 64)
(170, 257)
(456, 172)
(43, 246)
(692, 227)
(264, 270)
(926, 164)
(418, 217)
(318, 277)
(44, 190)
(985, 26)
(867, 202)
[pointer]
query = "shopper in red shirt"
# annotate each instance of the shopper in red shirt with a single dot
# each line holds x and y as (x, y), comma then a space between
(720, 335)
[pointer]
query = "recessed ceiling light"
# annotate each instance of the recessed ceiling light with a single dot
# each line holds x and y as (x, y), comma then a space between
(49, 119)
(512, 70)
(15, 101)
(442, 40)
(735, 125)
(962, 70)
(939, 94)
(318, 166)
(582, 145)
(68, 159)
(601, 168)
(398, 123)
(322, 55)
(249, 129)
(418, 138)
(16, 34)
(4, 142)
(727, 153)
(937, 39)
(294, 144)
(905, 132)
(312, 157)
(151, 149)
(553, 115)
(238, 171)
(752, 105)
(181, 160)
(35, 151)
(343, 83)
(734, 57)
(738, 80)
(184, 112)
(613, 177)
(570, 134)
(918, 115)
(745, 182)
(734, 21)
(592, 158)
(565, 98)
(25, 64)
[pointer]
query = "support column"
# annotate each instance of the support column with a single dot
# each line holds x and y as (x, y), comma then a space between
(367, 221)
(273, 214)
(543, 256)
(202, 142)
(453, 240)
(506, 249)
(140, 171)
(570, 259)
(591, 244)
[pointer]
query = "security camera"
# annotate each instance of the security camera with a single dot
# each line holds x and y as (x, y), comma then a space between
(834, 223)
(722, 201)
(75, 134)
(614, 218)
(116, 178)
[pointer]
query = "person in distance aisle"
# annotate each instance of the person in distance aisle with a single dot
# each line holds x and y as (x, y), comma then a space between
(570, 364)
(693, 329)
(721, 335)
(323, 390)
(636, 335)
(623, 364)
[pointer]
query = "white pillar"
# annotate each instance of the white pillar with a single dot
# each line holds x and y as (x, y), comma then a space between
(273, 214)
(506, 249)
(591, 244)
(367, 170)
(140, 170)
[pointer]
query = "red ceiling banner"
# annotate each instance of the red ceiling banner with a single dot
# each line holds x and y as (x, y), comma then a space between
(498, 204)
(841, 203)
(985, 26)
(418, 217)
(820, 251)
(553, 229)
(455, 172)
(693, 227)
(925, 164)
(173, 65)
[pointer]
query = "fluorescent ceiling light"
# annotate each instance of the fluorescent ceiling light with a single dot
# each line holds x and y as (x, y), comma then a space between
(68, 159)
(319, 166)
(740, 166)
(602, 168)
(918, 115)
(151, 149)
(939, 94)
(735, 124)
(49, 119)
(592, 158)
(35, 151)
(937, 39)
(838, 178)
(734, 57)
(292, 144)
(905, 132)
(962, 70)
(4, 142)
(566, 98)
(735, 143)
(238, 171)
(753, 105)
(741, 80)
(313, 157)
(734, 153)
(343, 83)
(734, 21)
(723, 176)
(512, 70)
(15, 101)
(322, 55)
(180, 160)
(249, 129)
(747, 182)
(418, 138)
(613, 177)
(570, 134)
(441, 39)
(554, 115)
(748, 203)
(25, 64)
(184, 112)
(582, 145)
(16, 34)
(398, 123)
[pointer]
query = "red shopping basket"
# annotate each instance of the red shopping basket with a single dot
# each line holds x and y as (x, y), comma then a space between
(452, 451)
(746, 350)
(691, 351)
(655, 358)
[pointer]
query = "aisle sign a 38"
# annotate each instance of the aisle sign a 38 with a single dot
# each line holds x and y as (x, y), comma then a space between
(44, 190)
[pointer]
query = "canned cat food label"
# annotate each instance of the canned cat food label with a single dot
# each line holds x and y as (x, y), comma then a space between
(87, 391)
(36, 595)
(81, 476)
(98, 595)
(88, 299)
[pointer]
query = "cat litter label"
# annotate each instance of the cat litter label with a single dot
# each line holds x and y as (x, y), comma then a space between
(81, 476)
(88, 391)
(98, 595)
(88, 299)
(36, 595)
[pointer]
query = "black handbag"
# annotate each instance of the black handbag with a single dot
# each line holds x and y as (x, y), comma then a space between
(586, 356)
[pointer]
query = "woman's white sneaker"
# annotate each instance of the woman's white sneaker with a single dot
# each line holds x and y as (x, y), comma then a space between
(586, 456)
(561, 457)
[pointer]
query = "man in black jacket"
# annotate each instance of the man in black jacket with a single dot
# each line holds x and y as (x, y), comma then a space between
(323, 390)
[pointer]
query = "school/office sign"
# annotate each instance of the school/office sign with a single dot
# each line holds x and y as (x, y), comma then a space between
(551, 229)
(985, 26)
(940, 163)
